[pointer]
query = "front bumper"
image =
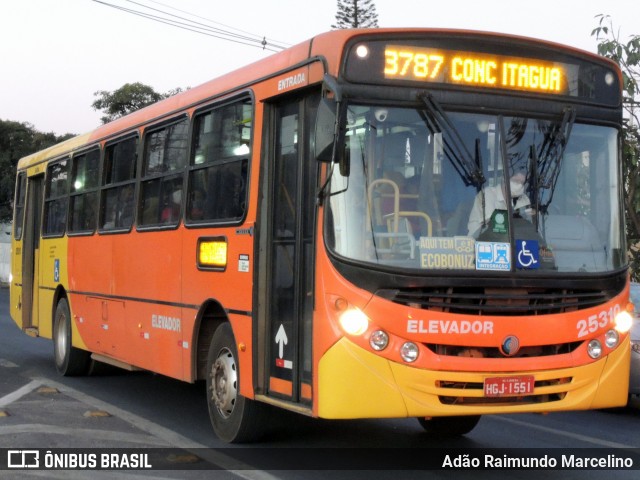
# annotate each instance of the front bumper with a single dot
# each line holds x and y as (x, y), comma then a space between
(355, 383)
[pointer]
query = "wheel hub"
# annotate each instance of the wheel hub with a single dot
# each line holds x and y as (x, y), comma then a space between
(60, 339)
(224, 383)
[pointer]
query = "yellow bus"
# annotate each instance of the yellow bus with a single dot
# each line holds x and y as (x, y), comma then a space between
(381, 223)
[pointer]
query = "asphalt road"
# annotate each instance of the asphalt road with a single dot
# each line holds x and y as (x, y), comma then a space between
(40, 409)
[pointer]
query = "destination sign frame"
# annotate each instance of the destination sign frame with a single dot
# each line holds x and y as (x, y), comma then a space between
(483, 63)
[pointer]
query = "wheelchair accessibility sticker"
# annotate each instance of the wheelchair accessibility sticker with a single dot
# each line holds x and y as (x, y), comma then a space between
(56, 270)
(493, 256)
(527, 254)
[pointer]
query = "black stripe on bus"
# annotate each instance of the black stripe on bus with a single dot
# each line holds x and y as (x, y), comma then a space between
(150, 301)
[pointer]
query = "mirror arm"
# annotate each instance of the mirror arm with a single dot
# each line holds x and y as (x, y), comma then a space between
(331, 84)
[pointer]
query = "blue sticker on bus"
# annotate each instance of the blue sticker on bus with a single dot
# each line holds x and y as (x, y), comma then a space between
(493, 256)
(56, 270)
(527, 254)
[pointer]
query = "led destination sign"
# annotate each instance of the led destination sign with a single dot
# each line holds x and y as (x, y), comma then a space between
(489, 63)
(474, 69)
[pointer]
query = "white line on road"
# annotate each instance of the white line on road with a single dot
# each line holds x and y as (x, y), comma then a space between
(18, 394)
(81, 434)
(169, 436)
(7, 363)
(554, 431)
(97, 475)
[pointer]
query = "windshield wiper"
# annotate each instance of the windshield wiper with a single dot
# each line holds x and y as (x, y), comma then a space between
(535, 183)
(551, 153)
(468, 167)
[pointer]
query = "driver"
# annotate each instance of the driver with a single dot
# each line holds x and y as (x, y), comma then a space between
(494, 199)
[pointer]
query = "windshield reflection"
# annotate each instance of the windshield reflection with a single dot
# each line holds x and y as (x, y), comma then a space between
(433, 191)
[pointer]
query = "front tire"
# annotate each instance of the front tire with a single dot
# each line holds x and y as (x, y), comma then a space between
(70, 361)
(449, 426)
(234, 418)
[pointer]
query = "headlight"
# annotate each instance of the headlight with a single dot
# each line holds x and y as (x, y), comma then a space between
(611, 338)
(594, 349)
(409, 352)
(379, 340)
(623, 321)
(354, 322)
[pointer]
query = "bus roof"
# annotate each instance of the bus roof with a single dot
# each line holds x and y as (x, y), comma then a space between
(328, 46)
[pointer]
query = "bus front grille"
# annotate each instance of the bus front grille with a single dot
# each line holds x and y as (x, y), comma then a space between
(495, 352)
(496, 301)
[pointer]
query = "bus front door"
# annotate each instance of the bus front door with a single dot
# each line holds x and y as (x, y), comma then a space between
(286, 287)
(30, 256)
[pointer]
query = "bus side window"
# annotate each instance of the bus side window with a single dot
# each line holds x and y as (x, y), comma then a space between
(164, 160)
(84, 186)
(220, 162)
(56, 198)
(18, 217)
(118, 185)
(150, 203)
(172, 200)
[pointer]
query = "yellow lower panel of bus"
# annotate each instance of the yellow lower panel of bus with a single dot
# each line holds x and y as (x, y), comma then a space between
(355, 383)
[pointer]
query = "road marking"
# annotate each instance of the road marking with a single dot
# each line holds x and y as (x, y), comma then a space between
(575, 436)
(18, 394)
(91, 433)
(7, 363)
(172, 438)
(45, 390)
(97, 475)
(169, 436)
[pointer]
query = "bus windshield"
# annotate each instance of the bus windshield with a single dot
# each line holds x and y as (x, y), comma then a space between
(433, 190)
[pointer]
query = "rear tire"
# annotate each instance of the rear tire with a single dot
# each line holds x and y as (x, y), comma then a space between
(70, 361)
(449, 426)
(235, 419)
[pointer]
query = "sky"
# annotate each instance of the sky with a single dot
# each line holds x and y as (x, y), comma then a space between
(55, 54)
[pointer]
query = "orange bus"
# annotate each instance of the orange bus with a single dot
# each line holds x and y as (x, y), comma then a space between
(373, 223)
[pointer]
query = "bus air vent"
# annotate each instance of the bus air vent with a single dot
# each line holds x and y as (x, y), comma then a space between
(496, 301)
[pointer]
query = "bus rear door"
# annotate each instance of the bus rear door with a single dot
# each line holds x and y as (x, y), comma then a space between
(31, 249)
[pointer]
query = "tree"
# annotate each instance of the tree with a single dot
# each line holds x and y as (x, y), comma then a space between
(627, 56)
(356, 14)
(126, 99)
(16, 141)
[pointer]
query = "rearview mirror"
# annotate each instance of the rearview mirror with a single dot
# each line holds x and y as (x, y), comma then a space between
(325, 133)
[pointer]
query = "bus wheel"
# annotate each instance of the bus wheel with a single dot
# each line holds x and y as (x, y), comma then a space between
(234, 418)
(70, 361)
(449, 426)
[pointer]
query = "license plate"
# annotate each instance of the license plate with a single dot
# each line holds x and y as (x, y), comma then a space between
(516, 386)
